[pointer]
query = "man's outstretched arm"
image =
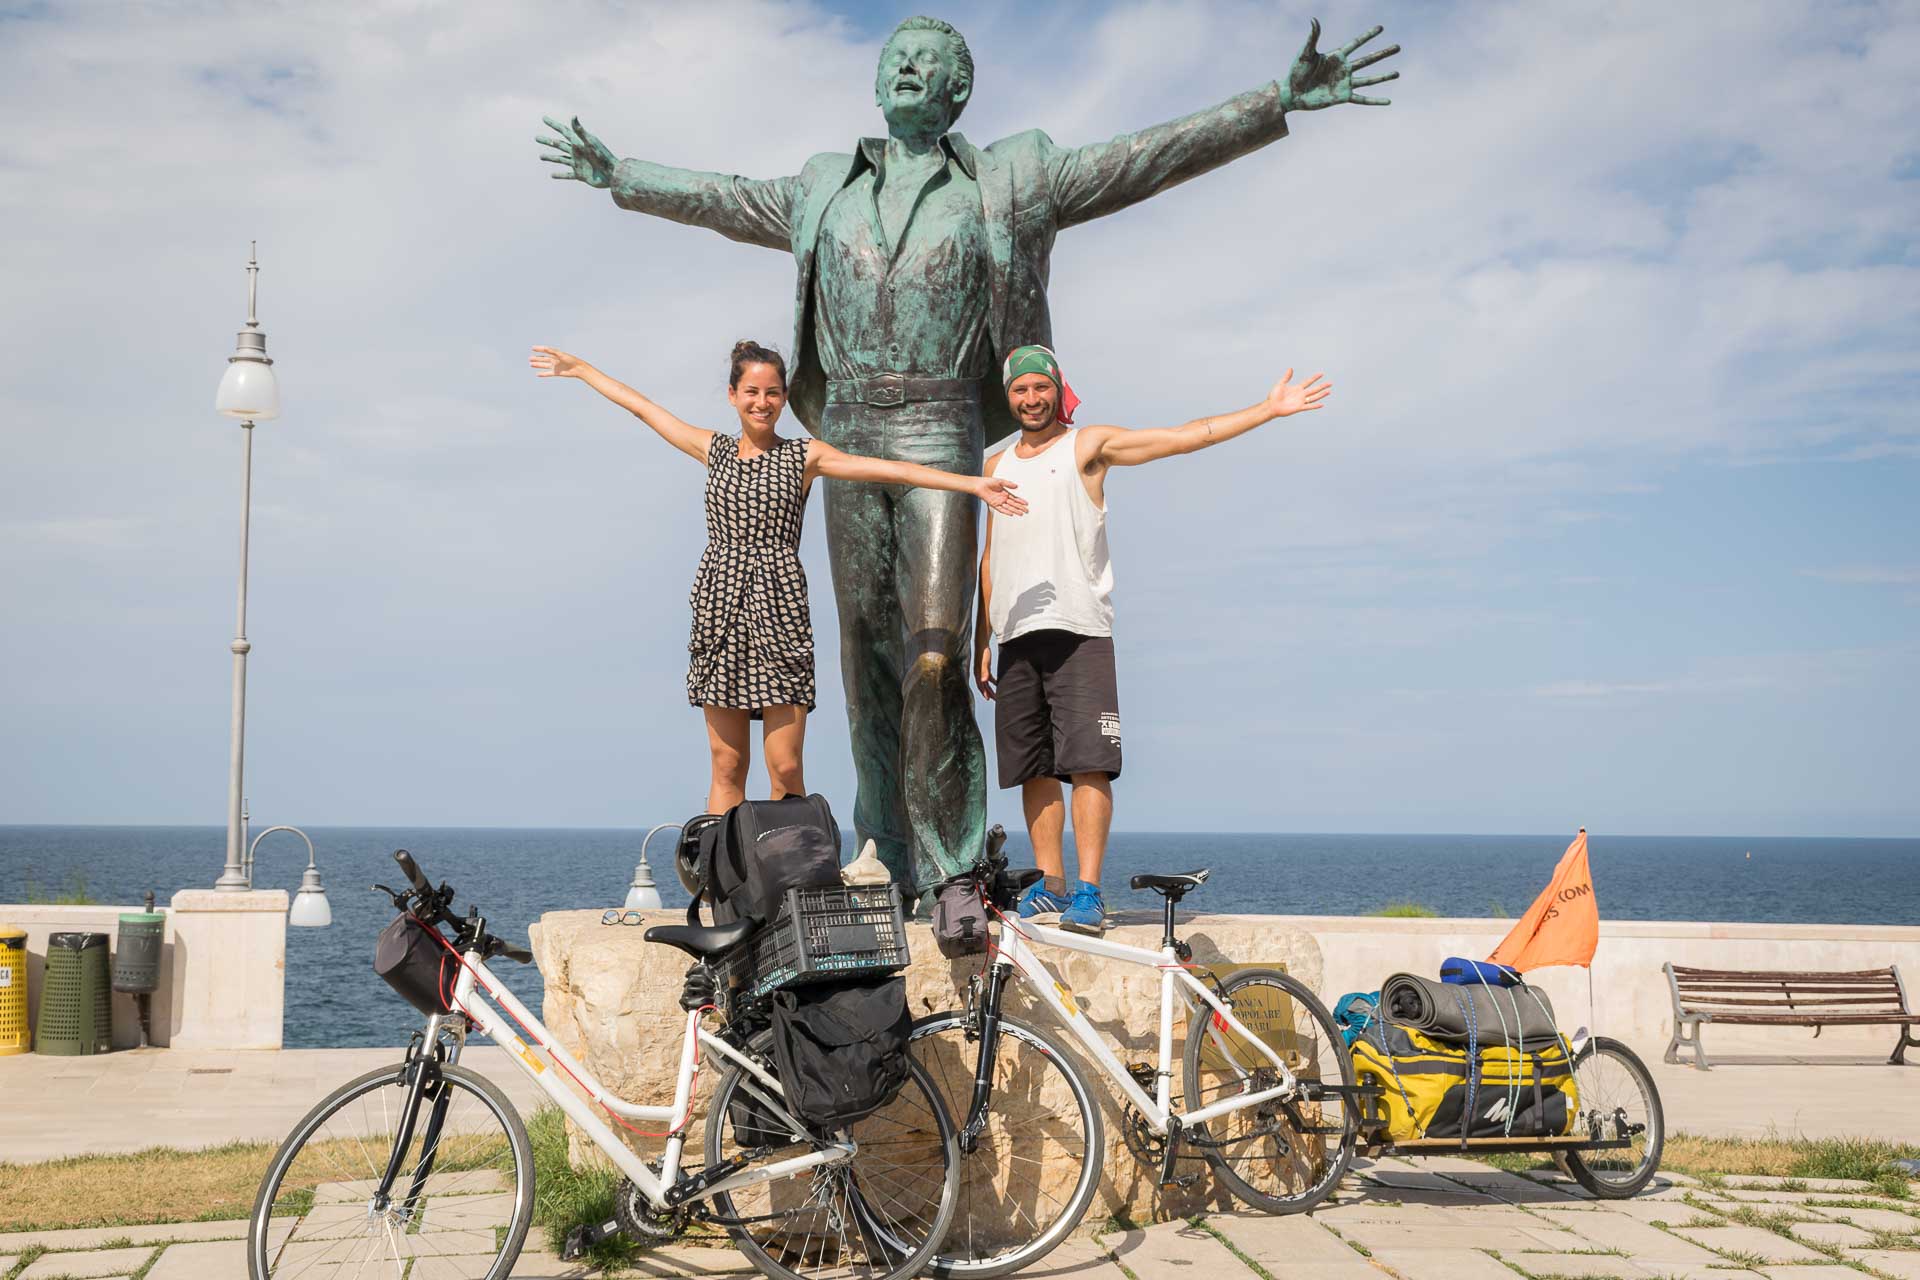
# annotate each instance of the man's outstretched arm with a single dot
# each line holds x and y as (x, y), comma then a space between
(1093, 181)
(752, 210)
(1119, 447)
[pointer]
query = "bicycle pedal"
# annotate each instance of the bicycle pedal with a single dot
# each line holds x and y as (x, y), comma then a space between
(585, 1236)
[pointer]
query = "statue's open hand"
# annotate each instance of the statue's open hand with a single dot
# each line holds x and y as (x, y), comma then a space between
(583, 157)
(1288, 398)
(998, 494)
(1319, 80)
(551, 363)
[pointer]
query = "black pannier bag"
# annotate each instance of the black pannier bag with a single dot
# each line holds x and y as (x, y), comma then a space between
(754, 1122)
(841, 1049)
(412, 962)
(761, 849)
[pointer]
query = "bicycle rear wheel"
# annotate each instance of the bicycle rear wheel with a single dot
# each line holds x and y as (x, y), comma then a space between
(1036, 1165)
(1286, 1155)
(460, 1205)
(877, 1216)
(1617, 1101)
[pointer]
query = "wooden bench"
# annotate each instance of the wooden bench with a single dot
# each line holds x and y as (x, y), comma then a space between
(1864, 997)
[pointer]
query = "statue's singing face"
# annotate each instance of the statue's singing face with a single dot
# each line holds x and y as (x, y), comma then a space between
(920, 84)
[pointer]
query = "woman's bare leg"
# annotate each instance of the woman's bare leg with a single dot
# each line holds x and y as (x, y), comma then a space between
(783, 743)
(730, 743)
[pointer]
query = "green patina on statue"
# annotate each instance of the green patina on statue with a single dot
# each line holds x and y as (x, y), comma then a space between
(922, 261)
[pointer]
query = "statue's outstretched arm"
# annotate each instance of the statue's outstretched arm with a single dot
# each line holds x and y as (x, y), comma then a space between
(752, 210)
(1092, 181)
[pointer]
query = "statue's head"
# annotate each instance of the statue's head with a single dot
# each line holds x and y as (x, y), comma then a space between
(925, 76)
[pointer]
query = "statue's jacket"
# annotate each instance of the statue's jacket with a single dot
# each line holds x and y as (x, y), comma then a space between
(1030, 189)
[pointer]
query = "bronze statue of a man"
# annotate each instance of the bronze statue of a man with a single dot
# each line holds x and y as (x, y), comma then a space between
(923, 260)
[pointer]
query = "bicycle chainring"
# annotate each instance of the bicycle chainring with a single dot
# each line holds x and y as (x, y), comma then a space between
(643, 1223)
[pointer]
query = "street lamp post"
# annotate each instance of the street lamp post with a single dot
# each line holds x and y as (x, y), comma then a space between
(310, 909)
(248, 392)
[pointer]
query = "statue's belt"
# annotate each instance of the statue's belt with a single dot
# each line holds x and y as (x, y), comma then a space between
(901, 388)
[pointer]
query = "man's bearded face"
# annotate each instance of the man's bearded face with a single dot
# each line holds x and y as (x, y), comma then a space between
(917, 85)
(1035, 401)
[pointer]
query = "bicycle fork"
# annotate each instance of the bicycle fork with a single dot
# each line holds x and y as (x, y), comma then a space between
(988, 1011)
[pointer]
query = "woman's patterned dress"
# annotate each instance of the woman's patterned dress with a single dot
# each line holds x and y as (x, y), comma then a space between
(752, 641)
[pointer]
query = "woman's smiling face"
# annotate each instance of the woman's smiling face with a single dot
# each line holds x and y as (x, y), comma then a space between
(759, 396)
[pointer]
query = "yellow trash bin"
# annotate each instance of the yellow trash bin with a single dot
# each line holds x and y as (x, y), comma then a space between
(13, 991)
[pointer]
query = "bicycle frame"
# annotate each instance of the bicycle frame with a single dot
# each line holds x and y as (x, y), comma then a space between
(1016, 953)
(547, 1062)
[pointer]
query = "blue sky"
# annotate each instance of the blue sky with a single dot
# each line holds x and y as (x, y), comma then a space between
(1610, 520)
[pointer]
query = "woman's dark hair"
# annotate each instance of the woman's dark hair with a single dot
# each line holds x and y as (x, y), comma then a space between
(746, 352)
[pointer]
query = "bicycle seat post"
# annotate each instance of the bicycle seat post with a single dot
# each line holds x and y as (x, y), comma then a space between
(1167, 939)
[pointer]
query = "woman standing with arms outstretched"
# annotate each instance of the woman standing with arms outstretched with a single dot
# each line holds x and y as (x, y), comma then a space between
(751, 650)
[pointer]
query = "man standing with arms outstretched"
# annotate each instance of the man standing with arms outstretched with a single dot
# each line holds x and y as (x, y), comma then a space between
(923, 260)
(1046, 589)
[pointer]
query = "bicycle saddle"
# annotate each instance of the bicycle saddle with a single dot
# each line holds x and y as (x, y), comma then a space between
(1180, 882)
(702, 941)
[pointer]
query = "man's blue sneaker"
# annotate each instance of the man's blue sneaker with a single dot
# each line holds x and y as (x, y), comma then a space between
(1040, 900)
(1086, 913)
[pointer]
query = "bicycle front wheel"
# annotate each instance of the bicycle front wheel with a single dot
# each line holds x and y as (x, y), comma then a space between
(876, 1216)
(1036, 1165)
(1618, 1103)
(462, 1196)
(1287, 1154)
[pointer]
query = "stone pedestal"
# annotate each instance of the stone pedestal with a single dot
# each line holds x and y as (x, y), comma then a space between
(227, 982)
(612, 1000)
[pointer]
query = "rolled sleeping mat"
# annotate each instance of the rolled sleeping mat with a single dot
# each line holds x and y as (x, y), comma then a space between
(1496, 1015)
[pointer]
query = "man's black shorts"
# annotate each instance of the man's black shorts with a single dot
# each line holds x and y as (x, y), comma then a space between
(1056, 707)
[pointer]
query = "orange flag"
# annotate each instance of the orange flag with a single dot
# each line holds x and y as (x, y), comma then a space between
(1563, 924)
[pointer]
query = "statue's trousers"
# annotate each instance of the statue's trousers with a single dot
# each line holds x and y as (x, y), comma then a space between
(904, 563)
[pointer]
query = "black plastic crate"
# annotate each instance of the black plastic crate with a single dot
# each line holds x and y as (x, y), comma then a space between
(840, 931)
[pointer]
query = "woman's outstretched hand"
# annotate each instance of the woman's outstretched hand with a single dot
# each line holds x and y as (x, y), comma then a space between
(551, 363)
(999, 495)
(1286, 398)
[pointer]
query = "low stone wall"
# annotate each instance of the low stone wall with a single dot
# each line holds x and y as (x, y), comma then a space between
(612, 1000)
(41, 921)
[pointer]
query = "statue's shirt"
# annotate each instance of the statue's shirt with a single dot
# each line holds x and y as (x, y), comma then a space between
(916, 306)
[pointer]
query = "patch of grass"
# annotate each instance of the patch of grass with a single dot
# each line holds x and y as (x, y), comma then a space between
(1743, 1258)
(1864, 1159)
(72, 893)
(147, 1266)
(1519, 1162)
(1406, 911)
(567, 1197)
(1902, 1240)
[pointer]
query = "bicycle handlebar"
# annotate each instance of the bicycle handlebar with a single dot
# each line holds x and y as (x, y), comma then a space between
(411, 870)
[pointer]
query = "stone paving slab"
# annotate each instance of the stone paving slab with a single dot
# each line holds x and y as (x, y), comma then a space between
(1904, 1264)
(1765, 1245)
(1643, 1242)
(7, 1261)
(202, 1260)
(1077, 1259)
(1440, 1264)
(94, 1237)
(1872, 1219)
(87, 1265)
(1172, 1249)
(1831, 1271)
(1578, 1266)
(1839, 1233)
(1295, 1246)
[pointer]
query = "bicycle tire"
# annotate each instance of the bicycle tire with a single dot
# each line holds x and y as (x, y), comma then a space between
(898, 1124)
(1234, 1162)
(268, 1257)
(978, 1204)
(1592, 1173)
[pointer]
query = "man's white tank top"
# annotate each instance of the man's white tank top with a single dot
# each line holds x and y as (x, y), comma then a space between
(1049, 567)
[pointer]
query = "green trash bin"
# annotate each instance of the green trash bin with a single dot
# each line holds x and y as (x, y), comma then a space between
(75, 1014)
(136, 961)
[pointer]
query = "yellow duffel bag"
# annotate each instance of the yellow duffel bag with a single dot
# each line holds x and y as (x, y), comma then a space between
(1428, 1086)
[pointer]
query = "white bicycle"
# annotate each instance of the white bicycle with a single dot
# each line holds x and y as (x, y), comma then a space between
(1268, 1101)
(424, 1169)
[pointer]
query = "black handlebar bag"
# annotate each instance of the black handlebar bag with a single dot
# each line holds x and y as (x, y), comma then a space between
(841, 1049)
(413, 963)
